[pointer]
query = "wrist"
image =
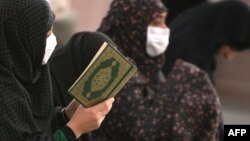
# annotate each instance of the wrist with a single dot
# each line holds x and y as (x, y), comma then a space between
(74, 127)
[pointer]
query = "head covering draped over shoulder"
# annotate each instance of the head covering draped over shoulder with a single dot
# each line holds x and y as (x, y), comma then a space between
(197, 34)
(25, 87)
(186, 107)
(69, 61)
(126, 24)
(156, 109)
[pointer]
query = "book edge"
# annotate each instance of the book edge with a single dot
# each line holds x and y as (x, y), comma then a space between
(102, 48)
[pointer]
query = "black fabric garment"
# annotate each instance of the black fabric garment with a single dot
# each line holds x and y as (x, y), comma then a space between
(176, 7)
(197, 34)
(25, 85)
(69, 61)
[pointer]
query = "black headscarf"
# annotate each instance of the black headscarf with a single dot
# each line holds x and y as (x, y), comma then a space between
(69, 61)
(25, 88)
(126, 24)
(197, 34)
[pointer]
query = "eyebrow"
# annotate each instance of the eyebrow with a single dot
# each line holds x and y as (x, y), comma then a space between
(160, 15)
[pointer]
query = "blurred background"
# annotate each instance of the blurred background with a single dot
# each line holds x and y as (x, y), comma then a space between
(232, 78)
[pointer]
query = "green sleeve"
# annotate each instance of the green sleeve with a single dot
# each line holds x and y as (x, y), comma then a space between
(60, 136)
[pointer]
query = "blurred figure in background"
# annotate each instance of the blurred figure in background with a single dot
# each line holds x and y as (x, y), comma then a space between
(68, 62)
(65, 20)
(176, 7)
(247, 2)
(76, 55)
(151, 107)
(198, 34)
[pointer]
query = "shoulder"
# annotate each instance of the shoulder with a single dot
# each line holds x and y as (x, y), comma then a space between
(192, 81)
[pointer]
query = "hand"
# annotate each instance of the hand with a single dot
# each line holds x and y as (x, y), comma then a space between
(71, 108)
(87, 119)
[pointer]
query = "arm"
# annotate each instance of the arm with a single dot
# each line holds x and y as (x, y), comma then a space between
(18, 122)
(82, 120)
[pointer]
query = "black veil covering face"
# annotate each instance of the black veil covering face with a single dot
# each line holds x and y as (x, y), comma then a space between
(197, 34)
(25, 88)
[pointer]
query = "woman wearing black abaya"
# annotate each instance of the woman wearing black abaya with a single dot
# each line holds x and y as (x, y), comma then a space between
(69, 61)
(152, 107)
(25, 85)
(206, 30)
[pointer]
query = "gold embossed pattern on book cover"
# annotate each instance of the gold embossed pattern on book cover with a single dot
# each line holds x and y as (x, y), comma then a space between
(104, 78)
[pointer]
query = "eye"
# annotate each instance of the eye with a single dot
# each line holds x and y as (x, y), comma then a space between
(159, 21)
(156, 21)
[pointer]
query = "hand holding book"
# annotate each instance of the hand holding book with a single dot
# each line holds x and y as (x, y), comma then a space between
(85, 120)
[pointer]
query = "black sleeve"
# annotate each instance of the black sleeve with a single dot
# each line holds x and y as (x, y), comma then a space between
(26, 115)
(59, 119)
(68, 133)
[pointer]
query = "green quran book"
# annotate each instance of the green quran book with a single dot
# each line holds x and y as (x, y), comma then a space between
(103, 78)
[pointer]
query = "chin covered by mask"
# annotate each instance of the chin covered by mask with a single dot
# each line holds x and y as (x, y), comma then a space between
(50, 46)
(157, 40)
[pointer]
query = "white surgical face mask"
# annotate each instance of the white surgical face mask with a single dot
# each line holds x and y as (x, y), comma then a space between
(157, 40)
(50, 46)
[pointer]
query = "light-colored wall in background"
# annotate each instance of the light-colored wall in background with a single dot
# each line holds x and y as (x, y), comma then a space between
(89, 13)
(232, 81)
